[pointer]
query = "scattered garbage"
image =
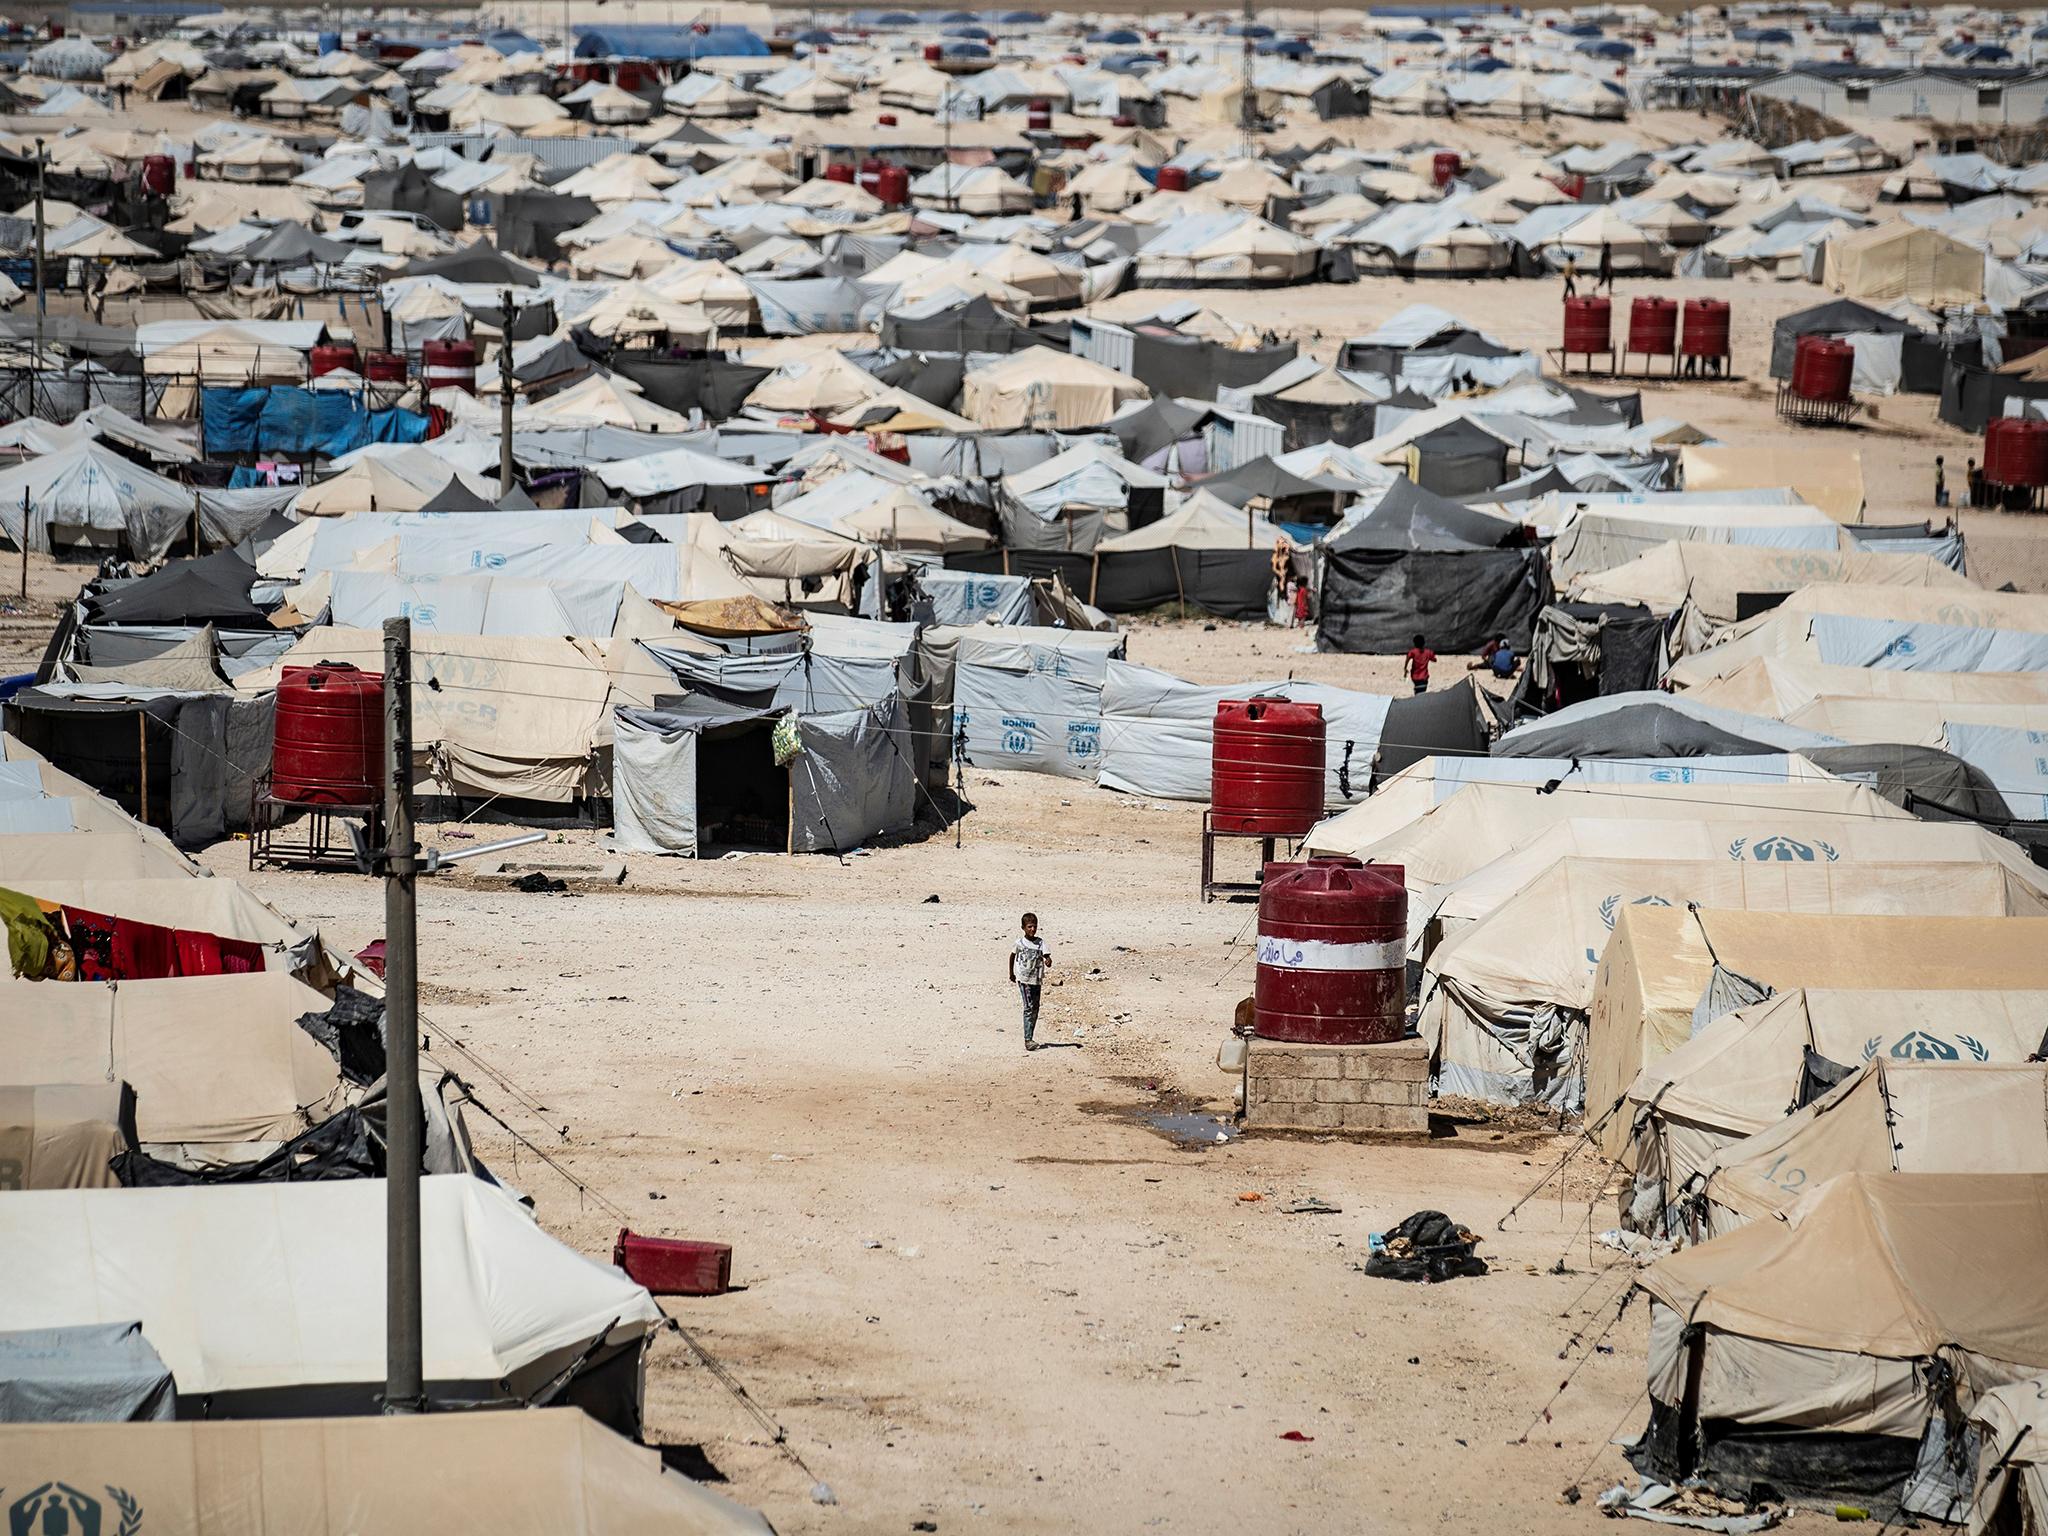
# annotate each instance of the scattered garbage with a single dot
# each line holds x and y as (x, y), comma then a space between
(1312, 1207)
(1640, 1246)
(1250, 1195)
(536, 883)
(931, 900)
(821, 1493)
(1427, 1246)
(1690, 1507)
(1298, 1437)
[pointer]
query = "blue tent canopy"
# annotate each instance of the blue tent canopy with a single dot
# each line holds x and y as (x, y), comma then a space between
(815, 36)
(1481, 64)
(1852, 26)
(1776, 36)
(962, 48)
(1249, 29)
(1129, 63)
(1287, 47)
(1417, 37)
(977, 34)
(510, 41)
(1607, 48)
(1116, 37)
(1023, 18)
(646, 41)
(1581, 29)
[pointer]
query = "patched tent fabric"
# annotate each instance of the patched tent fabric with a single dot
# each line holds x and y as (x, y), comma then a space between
(1892, 1115)
(1828, 973)
(548, 1469)
(60, 1136)
(1771, 1341)
(270, 1298)
(1505, 1002)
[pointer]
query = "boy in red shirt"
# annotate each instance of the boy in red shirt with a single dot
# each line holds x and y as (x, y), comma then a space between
(1419, 658)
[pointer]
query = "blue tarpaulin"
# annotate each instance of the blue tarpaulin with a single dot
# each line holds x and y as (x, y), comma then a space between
(293, 423)
(647, 41)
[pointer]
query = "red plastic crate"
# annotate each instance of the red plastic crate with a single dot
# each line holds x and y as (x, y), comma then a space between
(670, 1266)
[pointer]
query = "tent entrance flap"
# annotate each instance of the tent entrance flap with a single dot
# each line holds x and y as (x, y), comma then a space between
(742, 795)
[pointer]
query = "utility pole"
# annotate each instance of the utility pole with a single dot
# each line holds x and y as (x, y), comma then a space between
(35, 363)
(1249, 111)
(404, 1370)
(505, 397)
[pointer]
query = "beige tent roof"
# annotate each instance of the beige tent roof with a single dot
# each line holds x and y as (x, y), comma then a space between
(115, 854)
(1913, 722)
(218, 1064)
(368, 485)
(1893, 1116)
(61, 1135)
(2012, 1424)
(823, 382)
(1710, 576)
(1902, 260)
(1780, 685)
(219, 907)
(1824, 476)
(902, 519)
(1537, 953)
(1899, 1266)
(1459, 836)
(1039, 385)
(633, 310)
(1203, 521)
(1660, 960)
(546, 1469)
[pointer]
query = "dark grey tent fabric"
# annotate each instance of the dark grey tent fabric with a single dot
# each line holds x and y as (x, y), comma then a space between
(1839, 317)
(220, 750)
(1589, 650)
(1457, 721)
(853, 779)
(528, 223)
(1924, 780)
(1160, 424)
(98, 1373)
(1194, 367)
(230, 517)
(1283, 492)
(456, 496)
(1971, 396)
(1307, 423)
(1376, 599)
(679, 384)
(214, 589)
(413, 189)
(474, 263)
(1409, 517)
(1227, 583)
(975, 325)
(293, 245)
(1459, 459)
(1632, 730)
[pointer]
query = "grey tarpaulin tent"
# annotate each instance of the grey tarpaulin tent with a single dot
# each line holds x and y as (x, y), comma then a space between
(1421, 564)
(96, 1373)
(1589, 650)
(692, 773)
(1654, 725)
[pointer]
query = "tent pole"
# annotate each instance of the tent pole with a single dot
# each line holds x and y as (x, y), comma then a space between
(505, 397)
(404, 1387)
(1179, 592)
(142, 751)
(24, 542)
(195, 522)
(1094, 575)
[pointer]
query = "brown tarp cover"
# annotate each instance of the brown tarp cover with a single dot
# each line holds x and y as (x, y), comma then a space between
(60, 1135)
(730, 616)
(542, 1472)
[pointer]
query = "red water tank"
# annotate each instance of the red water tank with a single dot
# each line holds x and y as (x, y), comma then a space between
(159, 175)
(871, 173)
(634, 75)
(1333, 941)
(885, 119)
(1173, 178)
(2033, 445)
(1446, 167)
(1266, 767)
(1822, 369)
(2004, 454)
(1038, 119)
(839, 171)
(1706, 328)
(335, 356)
(933, 52)
(449, 365)
(385, 368)
(327, 747)
(1123, 120)
(1588, 325)
(1653, 327)
(893, 186)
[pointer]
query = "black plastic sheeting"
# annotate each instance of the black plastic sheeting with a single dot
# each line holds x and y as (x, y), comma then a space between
(1970, 397)
(1161, 424)
(528, 223)
(1927, 781)
(413, 189)
(1308, 424)
(1755, 1465)
(1224, 583)
(351, 1029)
(678, 384)
(1374, 601)
(1455, 722)
(974, 326)
(214, 590)
(1633, 730)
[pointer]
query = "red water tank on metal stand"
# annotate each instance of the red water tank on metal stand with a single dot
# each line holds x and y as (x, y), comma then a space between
(327, 746)
(1707, 323)
(893, 186)
(1653, 328)
(1588, 330)
(449, 365)
(1266, 767)
(1333, 944)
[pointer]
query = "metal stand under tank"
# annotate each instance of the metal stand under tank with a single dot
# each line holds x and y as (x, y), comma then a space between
(300, 835)
(1214, 889)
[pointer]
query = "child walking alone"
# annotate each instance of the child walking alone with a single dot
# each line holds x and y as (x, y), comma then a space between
(1028, 962)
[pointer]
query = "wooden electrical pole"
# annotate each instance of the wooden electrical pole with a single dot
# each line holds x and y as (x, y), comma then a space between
(35, 363)
(404, 1372)
(505, 397)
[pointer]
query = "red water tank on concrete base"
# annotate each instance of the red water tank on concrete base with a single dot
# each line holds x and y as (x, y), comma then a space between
(1653, 327)
(1588, 325)
(385, 368)
(1266, 767)
(327, 746)
(1706, 328)
(1333, 942)
(333, 357)
(839, 171)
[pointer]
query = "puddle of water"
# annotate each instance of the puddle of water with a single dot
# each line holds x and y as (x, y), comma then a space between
(1190, 1130)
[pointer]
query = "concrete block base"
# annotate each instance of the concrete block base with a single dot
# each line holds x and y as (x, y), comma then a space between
(1376, 1088)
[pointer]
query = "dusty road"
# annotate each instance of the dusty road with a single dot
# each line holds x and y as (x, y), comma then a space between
(979, 1289)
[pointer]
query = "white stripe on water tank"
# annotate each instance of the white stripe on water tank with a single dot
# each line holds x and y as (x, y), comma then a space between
(1315, 955)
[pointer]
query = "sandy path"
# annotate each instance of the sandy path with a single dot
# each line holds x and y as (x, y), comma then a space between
(805, 1058)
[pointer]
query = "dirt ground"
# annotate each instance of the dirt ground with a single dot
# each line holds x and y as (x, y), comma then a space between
(977, 1287)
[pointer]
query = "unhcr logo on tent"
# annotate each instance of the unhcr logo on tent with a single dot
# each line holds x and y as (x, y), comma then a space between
(58, 1509)
(1782, 850)
(1919, 1045)
(1019, 734)
(1610, 909)
(1671, 776)
(1084, 739)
